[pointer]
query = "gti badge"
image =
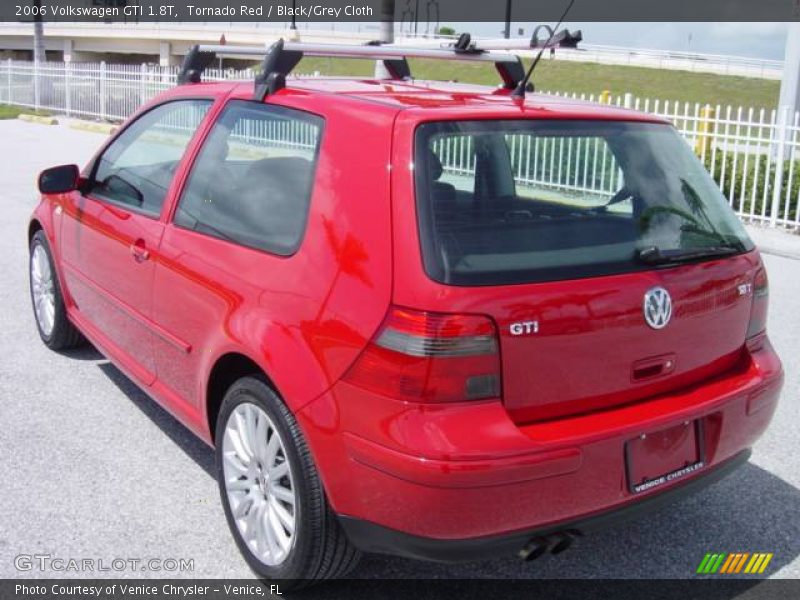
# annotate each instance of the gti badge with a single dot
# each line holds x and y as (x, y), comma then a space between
(657, 307)
(524, 328)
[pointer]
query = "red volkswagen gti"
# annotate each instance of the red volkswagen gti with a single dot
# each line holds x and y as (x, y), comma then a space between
(425, 319)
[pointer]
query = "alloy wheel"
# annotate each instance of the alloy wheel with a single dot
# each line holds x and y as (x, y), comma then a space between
(258, 483)
(43, 290)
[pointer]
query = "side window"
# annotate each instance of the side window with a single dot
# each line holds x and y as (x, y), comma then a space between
(137, 168)
(251, 183)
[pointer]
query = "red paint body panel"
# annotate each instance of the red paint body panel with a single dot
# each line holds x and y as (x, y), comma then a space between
(552, 448)
(454, 472)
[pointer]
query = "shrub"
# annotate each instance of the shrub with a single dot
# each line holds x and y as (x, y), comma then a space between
(755, 174)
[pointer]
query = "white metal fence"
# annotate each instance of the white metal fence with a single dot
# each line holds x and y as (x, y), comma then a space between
(754, 155)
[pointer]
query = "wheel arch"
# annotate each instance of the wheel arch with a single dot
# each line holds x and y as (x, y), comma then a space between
(34, 226)
(226, 370)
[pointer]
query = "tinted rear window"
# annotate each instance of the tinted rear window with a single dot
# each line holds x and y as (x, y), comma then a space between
(504, 202)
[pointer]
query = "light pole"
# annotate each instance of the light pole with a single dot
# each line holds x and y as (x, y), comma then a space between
(508, 19)
(294, 22)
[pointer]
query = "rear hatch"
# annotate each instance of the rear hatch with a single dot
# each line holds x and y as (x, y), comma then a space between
(605, 254)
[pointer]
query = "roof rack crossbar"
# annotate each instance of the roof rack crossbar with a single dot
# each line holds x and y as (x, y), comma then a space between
(282, 57)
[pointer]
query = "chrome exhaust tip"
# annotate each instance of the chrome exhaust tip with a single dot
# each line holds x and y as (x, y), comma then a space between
(535, 548)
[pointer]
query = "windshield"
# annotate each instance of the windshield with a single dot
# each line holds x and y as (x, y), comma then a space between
(503, 202)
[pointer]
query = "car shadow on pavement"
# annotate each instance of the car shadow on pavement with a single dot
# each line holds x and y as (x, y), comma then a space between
(83, 352)
(751, 510)
(191, 445)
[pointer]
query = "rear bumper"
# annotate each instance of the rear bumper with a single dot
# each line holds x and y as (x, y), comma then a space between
(370, 537)
(434, 481)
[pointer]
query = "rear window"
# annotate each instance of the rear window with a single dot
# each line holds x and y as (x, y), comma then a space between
(505, 202)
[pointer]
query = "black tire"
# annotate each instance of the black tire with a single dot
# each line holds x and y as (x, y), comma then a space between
(64, 335)
(321, 549)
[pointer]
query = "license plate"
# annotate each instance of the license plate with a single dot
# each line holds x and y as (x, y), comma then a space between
(660, 457)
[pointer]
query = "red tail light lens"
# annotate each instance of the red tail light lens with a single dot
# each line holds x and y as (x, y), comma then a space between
(431, 357)
(758, 314)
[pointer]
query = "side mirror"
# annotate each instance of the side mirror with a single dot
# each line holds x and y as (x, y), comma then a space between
(59, 180)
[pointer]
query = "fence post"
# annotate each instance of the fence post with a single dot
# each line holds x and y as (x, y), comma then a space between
(142, 88)
(67, 86)
(103, 90)
(627, 101)
(781, 135)
(36, 90)
(705, 131)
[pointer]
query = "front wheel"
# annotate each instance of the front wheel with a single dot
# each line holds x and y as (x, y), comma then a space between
(271, 491)
(55, 328)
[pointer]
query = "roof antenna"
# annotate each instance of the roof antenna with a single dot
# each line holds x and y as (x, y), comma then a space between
(519, 91)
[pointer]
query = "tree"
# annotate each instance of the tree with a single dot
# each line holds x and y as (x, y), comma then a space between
(445, 30)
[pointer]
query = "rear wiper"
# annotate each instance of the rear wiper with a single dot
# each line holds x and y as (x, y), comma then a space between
(652, 255)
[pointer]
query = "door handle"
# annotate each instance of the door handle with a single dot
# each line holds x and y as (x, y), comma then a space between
(139, 251)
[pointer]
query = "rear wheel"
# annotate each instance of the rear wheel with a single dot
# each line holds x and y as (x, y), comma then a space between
(271, 491)
(55, 328)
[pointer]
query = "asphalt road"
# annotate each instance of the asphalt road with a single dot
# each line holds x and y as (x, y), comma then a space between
(92, 468)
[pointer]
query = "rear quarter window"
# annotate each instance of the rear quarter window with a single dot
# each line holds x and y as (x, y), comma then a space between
(251, 183)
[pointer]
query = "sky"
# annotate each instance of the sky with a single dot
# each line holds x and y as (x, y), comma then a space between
(755, 40)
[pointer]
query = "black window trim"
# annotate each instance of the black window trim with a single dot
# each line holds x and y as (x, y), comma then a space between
(95, 163)
(227, 102)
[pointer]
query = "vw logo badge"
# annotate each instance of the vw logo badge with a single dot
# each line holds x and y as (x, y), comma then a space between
(657, 307)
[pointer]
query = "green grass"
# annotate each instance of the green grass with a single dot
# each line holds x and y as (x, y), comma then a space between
(588, 78)
(12, 112)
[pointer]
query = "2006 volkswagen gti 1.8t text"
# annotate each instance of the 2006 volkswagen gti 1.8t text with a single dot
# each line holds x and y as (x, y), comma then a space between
(426, 319)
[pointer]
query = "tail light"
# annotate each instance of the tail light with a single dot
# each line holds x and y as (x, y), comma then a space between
(757, 328)
(431, 357)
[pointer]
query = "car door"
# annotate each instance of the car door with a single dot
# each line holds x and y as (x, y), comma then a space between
(110, 233)
(241, 215)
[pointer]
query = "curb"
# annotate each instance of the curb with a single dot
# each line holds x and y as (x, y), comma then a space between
(38, 119)
(105, 128)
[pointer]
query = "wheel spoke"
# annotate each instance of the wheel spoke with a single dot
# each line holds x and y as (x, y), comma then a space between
(280, 534)
(279, 470)
(249, 432)
(281, 493)
(238, 446)
(269, 533)
(241, 434)
(238, 485)
(251, 520)
(234, 462)
(273, 446)
(260, 440)
(262, 543)
(285, 518)
(243, 507)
